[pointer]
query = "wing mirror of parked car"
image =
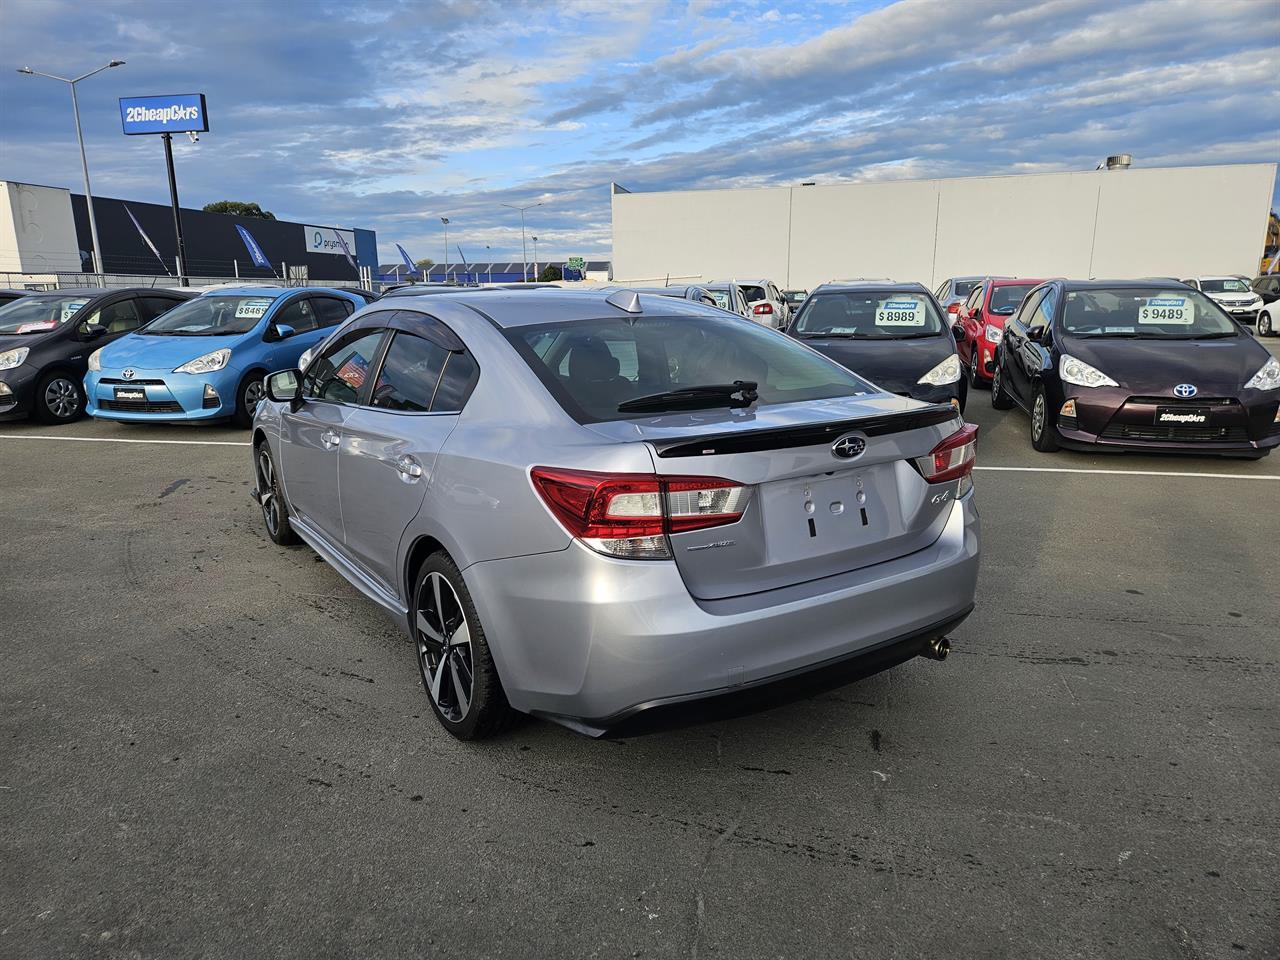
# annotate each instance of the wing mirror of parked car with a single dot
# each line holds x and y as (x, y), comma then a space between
(957, 331)
(1036, 334)
(279, 331)
(284, 386)
(92, 331)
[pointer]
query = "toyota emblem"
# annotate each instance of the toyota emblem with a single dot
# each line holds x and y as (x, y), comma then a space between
(846, 448)
(127, 373)
(1185, 390)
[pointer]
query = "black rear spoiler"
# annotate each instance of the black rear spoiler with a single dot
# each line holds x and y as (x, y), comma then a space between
(809, 435)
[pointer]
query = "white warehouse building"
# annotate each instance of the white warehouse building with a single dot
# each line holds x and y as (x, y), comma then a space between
(1172, 221)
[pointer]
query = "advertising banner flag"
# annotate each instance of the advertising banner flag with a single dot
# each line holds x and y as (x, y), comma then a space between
(255, 252)
(408, 261)
(346, 250)
(147, 240)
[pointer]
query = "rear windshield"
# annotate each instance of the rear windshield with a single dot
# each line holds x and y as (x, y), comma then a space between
(211, 316)
(1006, 299)
(868, 315)
(38, 314)
(1224, 286)
(752, 293)
(962, 288)
(1137, 314)
(591, 366)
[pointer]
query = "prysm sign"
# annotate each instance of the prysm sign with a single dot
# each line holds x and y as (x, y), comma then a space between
(177, 113)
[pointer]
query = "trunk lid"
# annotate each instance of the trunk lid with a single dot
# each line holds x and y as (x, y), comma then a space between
(812, 513)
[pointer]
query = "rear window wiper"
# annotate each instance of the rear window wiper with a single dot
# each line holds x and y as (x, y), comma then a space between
(740, 393)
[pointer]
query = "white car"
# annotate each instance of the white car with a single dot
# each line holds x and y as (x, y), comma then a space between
(1232, 294)
(768, 306)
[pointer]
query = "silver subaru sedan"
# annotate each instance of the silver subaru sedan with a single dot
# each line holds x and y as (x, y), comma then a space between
(617, 510)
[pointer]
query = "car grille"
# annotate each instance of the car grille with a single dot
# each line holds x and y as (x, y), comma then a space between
(1178, 433)
(132, 383)
(1176, 401)
(141, 406)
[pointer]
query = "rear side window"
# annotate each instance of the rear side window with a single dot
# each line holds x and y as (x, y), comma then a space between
(410, 374)
(591, 366)
(331, 311)
(459, 379)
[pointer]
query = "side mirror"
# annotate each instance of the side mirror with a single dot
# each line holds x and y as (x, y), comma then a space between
(957, 331)
(279, 331)
(1036, 334)
(285, 386)
(92, 331)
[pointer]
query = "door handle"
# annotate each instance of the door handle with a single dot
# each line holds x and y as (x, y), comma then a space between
(329, 438)
(410, 469)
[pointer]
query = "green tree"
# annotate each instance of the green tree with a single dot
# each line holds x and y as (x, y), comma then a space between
(238, 209)
(550, 274)
(425, 262)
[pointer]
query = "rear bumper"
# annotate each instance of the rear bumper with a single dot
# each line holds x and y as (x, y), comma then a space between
(582, 638)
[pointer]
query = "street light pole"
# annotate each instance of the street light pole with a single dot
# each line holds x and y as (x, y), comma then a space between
(445, 263)
(524, 250)
(535, 258)
(489, 256)
(84, 162)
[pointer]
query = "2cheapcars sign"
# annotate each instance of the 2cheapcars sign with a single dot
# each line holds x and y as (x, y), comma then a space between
(178, 113)
(325, 240)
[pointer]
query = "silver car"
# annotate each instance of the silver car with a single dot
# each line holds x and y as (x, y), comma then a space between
(609, 509)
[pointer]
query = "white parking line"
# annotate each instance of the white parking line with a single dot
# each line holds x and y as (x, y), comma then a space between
(187, 443)
(1137, 473)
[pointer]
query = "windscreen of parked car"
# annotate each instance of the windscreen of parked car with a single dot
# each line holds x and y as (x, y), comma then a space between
(1006, 299)
(592, 366)
(868, 315)
(1224, 286)
(211, 316)
(723, 299)
(37, 314)
(753, 293)
(1144, 314)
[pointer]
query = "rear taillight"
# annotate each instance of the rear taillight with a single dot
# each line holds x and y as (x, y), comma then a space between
(762, 308)
(630, 514)
(953, 458)
(953, 307)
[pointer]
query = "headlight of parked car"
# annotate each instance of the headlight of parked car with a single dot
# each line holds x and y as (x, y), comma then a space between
(13, 358)
(993, 333)
(1081, 374)
(95, 361)
(1268, 378)
(206, 364)
(948, 371)
(305, 358)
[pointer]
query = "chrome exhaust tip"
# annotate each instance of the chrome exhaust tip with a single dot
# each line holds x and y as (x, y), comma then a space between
(937, 649)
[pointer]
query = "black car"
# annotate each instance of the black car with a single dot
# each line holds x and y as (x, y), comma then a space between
(46, 339)
(1134, 365)
(889, 333)
(1267, 287)
(8, 296)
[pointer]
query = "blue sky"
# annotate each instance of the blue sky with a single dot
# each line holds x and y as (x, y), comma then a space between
(391, 114)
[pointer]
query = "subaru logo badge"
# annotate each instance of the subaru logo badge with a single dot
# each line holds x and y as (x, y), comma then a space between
(1185, 390)
(846, 448)
(127, 373)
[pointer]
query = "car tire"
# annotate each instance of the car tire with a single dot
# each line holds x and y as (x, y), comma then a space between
(1000, 400)
(1265, 327)
(59, 398)
(275, 511)
(975, 382)
(251, 390)
(458, 674)
(1044, 435)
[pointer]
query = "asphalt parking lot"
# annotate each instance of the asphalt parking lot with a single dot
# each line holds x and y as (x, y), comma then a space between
(215, 747)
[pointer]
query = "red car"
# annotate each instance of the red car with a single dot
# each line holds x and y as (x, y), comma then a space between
(981, 319)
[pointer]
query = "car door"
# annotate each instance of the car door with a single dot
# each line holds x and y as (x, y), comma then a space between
(1013, 343)
(1033, 350)
(391, 441)
(969, 321)
(311, 434)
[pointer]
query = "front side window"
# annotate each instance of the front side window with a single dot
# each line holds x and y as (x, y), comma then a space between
(119, 317)
(868, 315)
(38, 314)
(212, 316)
(593, 366)
(338, 374)
(300, 315)
(410, 374)
(1144, 314)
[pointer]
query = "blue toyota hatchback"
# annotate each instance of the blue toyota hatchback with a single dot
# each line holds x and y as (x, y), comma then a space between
(205, 360)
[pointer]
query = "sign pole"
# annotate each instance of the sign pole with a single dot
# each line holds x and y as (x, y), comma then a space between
(177, 214)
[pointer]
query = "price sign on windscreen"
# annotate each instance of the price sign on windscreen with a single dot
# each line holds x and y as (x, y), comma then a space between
(1177, 310)
(902, 312)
